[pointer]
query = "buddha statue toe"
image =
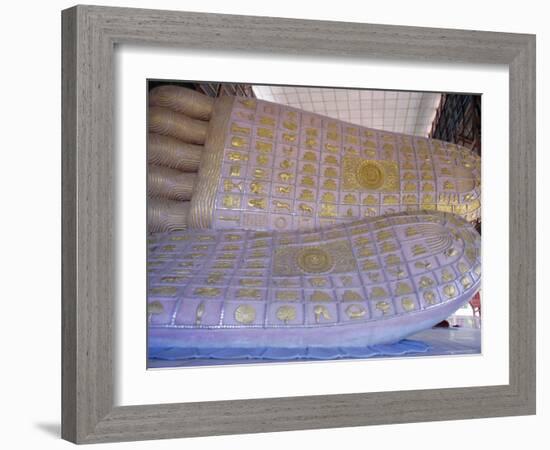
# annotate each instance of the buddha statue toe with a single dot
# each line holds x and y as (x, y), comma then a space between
(248, 163)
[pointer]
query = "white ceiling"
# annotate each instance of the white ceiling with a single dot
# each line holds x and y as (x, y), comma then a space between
(401, 112)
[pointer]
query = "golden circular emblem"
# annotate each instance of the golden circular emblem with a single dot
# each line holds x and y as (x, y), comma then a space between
(286, 313)
(429, 296)
(245, 314)
(408, 304)
(314, 260)
(370, 175)
(449, 290)
(355, 311)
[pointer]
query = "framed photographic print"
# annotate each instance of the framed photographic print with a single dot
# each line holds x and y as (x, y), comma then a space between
(300, 217)
(314, 238)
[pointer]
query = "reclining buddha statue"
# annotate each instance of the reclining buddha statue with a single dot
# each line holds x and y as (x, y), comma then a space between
(275, 227)
(259, 165)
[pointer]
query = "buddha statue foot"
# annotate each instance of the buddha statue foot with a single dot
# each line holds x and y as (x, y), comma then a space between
(234, 162)
(360, 283)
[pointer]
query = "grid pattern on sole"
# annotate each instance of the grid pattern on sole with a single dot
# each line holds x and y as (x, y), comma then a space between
(285, 169)
(361, 271)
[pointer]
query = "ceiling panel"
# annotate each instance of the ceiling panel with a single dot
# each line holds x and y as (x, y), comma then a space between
(401, 112)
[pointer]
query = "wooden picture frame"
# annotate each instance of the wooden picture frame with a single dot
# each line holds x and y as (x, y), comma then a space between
(89, 35)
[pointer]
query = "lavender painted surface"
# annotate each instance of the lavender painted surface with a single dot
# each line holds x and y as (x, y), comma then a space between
(284, 168)
(432, 342)
(369, 282)
(239, 355)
